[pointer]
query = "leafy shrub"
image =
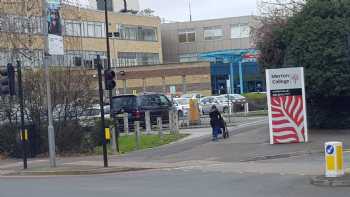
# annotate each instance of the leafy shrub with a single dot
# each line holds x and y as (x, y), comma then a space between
(257, 101)
(70, 137)
(9, 140)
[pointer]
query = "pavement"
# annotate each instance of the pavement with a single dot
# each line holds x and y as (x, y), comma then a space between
(244, 165)
(246, 151)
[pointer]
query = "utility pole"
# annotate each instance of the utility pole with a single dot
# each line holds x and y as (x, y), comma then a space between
(109, 67)
(189, 4)
(24, 134)
(100, 89)
(51, 131)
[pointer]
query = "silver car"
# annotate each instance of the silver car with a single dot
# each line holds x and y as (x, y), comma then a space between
(233, 98)
(206, 104)
(182, 106)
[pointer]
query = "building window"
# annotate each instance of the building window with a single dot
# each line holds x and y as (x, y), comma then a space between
(101, 5)
(149, 34)
(28, 58)
(95, 29)
(213, 33)
(91, 30)
(86, 59)
(72, 28)
(240, 31)
(191, 57)
(20, 24)
(98, 30)
(138, 33)
(135, 59)
(187, 36)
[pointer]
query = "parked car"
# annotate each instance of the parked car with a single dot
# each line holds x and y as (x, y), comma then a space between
(192, 96)
(182, 106)
(135, 106)
(91, 115)
(233, 98)
(207, 102)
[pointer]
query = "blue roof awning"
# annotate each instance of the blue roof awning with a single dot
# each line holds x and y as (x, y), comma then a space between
(231, 55)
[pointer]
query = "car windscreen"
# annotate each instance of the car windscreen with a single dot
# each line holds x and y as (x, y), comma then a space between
(182, 101)
(123, 103)
(155, 100)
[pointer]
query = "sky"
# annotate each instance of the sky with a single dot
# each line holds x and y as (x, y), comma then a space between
(178, 10)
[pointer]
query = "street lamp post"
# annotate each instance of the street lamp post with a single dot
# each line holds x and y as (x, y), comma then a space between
(51, 130)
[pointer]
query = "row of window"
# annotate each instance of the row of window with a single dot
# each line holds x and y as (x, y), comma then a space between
(84, 29)
(97, 29)
(86, 59)
(214, 33)
(20, 24)
(128, 32)
(135, 59)
(35, 25)
(28, 58)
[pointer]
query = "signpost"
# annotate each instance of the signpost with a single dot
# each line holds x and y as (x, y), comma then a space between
(286, 105)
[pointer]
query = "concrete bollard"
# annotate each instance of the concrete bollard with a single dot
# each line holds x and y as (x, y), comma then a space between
(334, 159)
(137, 134)
(246, 108)
(148, 122)
(160, 127)
(126, 123)
(113, 141)
(171, 121)
(176, 122)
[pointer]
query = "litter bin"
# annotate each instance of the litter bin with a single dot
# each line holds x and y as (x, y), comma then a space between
(334, 159)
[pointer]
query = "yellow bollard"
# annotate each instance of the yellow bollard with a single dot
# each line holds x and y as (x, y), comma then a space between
(334, 159)
(107, 134)
(194, 115)
(25, 135)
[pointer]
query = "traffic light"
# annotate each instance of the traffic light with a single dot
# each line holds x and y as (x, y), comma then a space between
(110, 80)
(7, 81)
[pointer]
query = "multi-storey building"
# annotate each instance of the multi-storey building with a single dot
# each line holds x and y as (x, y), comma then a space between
(22, 28)
(225, 42)
(184, 41)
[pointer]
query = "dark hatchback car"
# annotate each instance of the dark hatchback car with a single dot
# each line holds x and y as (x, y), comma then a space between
(157, 104)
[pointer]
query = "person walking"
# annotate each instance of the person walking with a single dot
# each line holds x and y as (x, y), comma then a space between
(215, 121)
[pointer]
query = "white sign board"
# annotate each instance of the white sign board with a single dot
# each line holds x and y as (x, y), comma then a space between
(77, 3)
(55, 45)
(286, 105)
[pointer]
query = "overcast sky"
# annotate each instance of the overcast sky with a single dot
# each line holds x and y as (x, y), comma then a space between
(178, 10)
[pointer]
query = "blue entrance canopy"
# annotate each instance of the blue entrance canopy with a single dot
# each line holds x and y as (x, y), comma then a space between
(232, 56)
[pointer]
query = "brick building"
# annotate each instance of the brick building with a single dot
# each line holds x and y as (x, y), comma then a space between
(177, 78)
(22, 37)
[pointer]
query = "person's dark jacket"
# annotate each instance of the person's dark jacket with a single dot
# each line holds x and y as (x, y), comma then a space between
(215, 118)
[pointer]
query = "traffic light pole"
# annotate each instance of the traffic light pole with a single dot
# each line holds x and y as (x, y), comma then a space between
(110, 94)
(21, 103)
(100, 89)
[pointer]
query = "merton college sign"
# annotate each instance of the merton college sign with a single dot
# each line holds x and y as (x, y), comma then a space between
(286, 105)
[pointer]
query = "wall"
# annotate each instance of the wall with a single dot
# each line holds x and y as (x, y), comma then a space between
(116, 45)
(172, 48)
(185, 77)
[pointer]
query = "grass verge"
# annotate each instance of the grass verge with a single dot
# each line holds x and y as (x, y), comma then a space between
(127, 143)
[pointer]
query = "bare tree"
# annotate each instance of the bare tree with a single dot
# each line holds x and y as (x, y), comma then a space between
(147, 12)
(273, 16)
(21, 25)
